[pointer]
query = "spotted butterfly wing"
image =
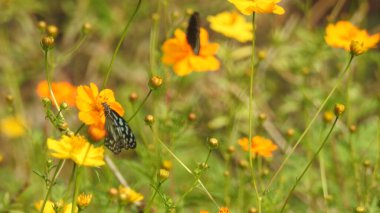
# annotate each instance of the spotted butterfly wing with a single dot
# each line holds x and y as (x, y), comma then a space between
(118, 134)
(193, 31)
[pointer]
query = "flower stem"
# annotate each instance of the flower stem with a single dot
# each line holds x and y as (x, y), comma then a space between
(252, 74)
(124, 33)
(48, 79)
(338, 82)
(56, 173)
(298, 179)
(142, 103)
(76, 187)
(149, 205)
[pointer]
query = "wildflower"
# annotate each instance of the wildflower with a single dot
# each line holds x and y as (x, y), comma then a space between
(260, 145)
(49, 206)
(84, 200)
(223, 210)
(345, 35)
(248, 7)
(232, 25)
(167, 165)
(339, 109)
(178, 52)
(204, 211)
(155, 82)
(47, 43)
(52, 30)
(213, 143)
(68, 207)
(163, 174)
(128, 195)
(78, 149)
(133, 97)
(91, 112)
(149, 119)
(328, 116)
(63, 91)
(12, 126)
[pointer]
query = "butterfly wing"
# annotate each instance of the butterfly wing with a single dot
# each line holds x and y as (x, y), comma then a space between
(193, 31)
(119, 134)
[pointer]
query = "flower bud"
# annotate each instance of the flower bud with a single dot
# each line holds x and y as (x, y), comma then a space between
(63, 126)
(367, 163)
(133, 97)
(262, 54)
(213, 143)
(86, 28)
(290, 132)
(46, 102)
(167, 164)
(84, 200)
(155, 82)
(252, 210)
(231, 149)
(243, 164)
(352, 128)
(113, 192)
(192, 116)
(52, 30)
(262, 117)
(357, 48)
(42, 25)
(189, 11)
(9, 99)
(149, 119)
(360, 209)
(328, 117)
(47, 43)
(163, 174)
(156, 16)
(64, 106)
(339, 109)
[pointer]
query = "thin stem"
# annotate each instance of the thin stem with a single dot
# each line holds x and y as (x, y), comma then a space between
(142, 103)
(252, 74)
(310, 162)
(124, 33)
(149, 205)
(338, 82)
(52, 182)
(47, 72)
(76, 187)
(187, 169)
(75, 48)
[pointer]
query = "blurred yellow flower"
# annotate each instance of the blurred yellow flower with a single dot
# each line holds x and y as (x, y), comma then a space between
(1, 157)
(247, 7)
(204, 211)
(128, 195)
(177, 52)
(78, 149)
(260, 145)
(84, 200)
(12, 126)
(68, 207)
(63, 91)
(345, 35)
(91, 112)
(231, 24)
(223, 210)
(49, 206)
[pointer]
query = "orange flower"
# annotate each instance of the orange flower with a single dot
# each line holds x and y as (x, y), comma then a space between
(345, 35)
(63, 91)
(91, 112)
(223, 210)
(247, 7)
(204, 211)
(178, 52)
(260, 145)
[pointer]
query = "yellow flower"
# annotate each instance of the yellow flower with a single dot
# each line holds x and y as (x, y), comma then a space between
(12, 126)
(260, 145)
(68, 207)
(345, 35)
(204, 211)
(223, 210)
(63, 91)
(232, 25)
(78, 149)
(91, 112)
(247, 7)
(1, 157)
(84, 200)
(49, 206)
(177, 52)
(128, 195)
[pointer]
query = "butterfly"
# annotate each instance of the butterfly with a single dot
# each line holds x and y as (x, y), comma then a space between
(193, 31)
(118, 134)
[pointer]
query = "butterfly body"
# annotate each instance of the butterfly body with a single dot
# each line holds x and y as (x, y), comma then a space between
(118, 133)
(193, 31)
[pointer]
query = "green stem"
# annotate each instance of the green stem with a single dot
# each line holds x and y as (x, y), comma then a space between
(124, 33)
(52, 182)
(142, 103)
(47, 73)
(153, 43)
(76, 187)
(298, 179)
(338, 82)
(252, 74)
(75, 48)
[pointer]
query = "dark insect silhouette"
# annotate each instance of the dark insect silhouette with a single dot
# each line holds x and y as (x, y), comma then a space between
(118, 134)
(193, 31)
